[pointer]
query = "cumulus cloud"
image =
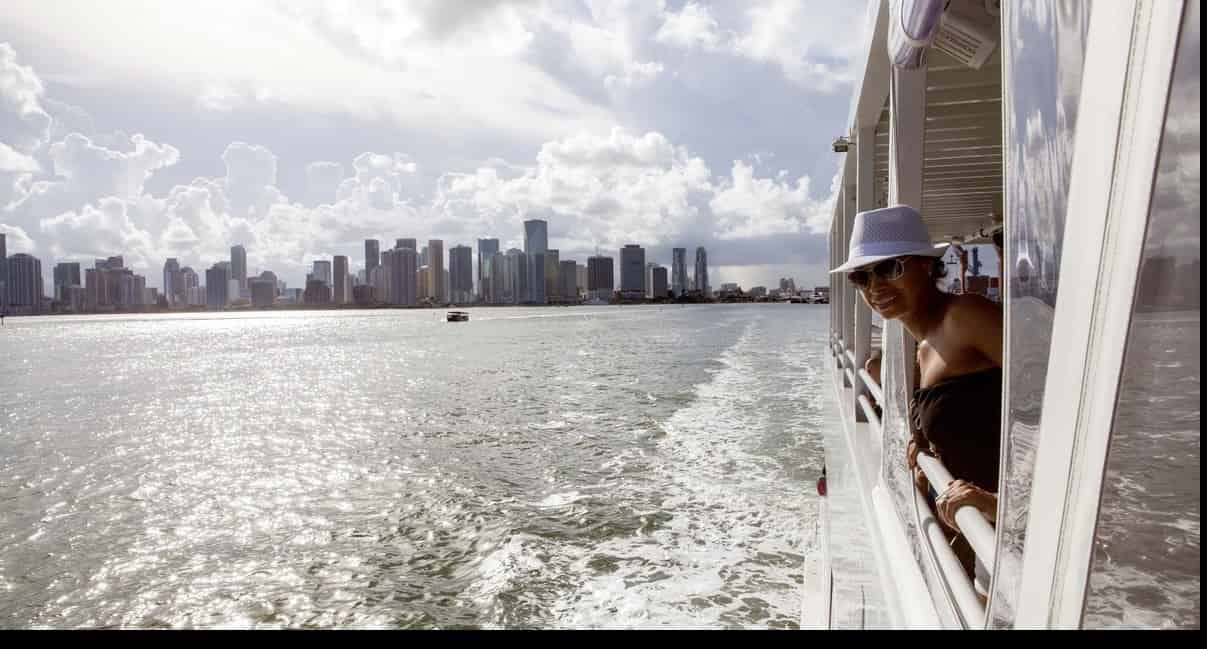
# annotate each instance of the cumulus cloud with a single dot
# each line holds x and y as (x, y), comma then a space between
(24, 123)
(691, 26)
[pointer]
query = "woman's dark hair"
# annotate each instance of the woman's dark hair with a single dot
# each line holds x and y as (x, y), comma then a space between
(997, 238)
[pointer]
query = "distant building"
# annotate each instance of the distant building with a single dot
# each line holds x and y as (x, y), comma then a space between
(461, 274)
(536, 278)
(679, 281)
(758, 291)
(580, 280)
(372, 256)
(322, 271)
(632, 271)
(362, 295)
(339, 284)
(263, 292)
(217, 285)
(701, 279)
(496, 266)
(3, 272)
(24, 277)
(67, 275)
(567, 280)
(536, 236)
(171, 281)
(601, 282)
(659, 287)
(649, 278)
(424, 284)
(516, 271)
(553, 291)
(317, 292)
(239, 266)
(486, 249)
(435, 265)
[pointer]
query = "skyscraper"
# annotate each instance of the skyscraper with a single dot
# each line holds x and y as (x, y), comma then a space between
(460, 274)
(486, 248)
(3, 271)
(171, 280)
(580, 280)
(553, 291)
(632, 271)
(239, 266)
(702, 272)
(372, 256)
(536, 242)
(600, 280)
(536, 278)
(340, 281)
(517, 270)
(66, 275)
(217, 279)
(401, 281)
(567, 281)
(321, 271)
(536, 236)
(435, 259)
(24, 274)
(649, 278)
(497, 268)
(263, 292)
(679, 271)
(406, 243)
(658, 286)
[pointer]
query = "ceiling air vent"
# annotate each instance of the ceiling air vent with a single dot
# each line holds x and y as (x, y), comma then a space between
(968, 34)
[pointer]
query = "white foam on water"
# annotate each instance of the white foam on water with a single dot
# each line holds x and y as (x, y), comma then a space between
(731, 552)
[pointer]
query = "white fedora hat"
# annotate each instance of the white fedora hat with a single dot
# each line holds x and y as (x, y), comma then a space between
(887, 232)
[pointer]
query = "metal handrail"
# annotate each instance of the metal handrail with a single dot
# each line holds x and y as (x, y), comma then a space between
(872, 386)
(850, 359)
(869, 411)
(972, 524)
(850, 375)
(959, 586)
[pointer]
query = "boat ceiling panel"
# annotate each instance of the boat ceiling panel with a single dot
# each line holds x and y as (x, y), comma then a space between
(962, 161)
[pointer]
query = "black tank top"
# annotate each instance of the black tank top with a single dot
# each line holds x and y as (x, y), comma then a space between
(960, 419)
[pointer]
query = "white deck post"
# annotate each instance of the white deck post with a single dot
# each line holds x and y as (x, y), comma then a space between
(846, 207)
(907, 139)
(865, 164)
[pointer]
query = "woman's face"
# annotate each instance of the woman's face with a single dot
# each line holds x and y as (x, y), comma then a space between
(895, 297)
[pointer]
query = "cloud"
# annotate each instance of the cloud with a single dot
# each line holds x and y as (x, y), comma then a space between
(16, 240)
(428, 65)
(692, 26)
(24, 124)
(813, 47)
(322, 181)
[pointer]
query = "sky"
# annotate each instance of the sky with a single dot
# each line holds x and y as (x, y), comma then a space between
(298, 129)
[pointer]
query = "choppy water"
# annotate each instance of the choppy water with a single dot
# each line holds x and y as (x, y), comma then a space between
(578, 467)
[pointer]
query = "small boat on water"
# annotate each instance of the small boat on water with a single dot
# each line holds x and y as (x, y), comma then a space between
(458, 316)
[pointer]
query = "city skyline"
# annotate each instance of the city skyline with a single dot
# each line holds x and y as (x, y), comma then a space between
(627, 136)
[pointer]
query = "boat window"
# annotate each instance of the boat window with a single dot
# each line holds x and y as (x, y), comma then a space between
(1043, 51)
(1145, 570)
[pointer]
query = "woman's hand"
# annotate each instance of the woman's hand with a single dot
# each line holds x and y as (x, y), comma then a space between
(961, 493)
(911, 460)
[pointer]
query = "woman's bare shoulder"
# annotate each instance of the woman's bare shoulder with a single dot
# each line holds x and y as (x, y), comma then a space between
(971, 312)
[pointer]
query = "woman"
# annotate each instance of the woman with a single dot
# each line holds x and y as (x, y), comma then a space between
(956, 410)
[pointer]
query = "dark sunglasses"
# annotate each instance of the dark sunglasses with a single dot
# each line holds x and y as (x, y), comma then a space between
(888, 269)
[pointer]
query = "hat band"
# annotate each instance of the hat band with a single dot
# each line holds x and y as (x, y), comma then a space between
(892, 248)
